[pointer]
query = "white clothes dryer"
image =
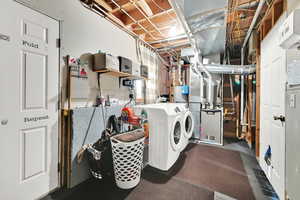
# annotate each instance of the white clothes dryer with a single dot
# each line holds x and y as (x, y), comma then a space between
(165, 133)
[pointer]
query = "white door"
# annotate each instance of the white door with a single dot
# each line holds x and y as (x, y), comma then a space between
(29, 61)
(273, 89)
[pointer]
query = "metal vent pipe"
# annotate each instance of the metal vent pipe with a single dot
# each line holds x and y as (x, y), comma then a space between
(257, 12)
(231, 69)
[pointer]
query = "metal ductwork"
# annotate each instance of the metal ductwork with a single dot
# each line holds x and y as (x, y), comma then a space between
(207, 22)
(209, 31)
(231, 69)
(197, 56)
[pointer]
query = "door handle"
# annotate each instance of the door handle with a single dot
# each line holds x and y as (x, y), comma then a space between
(281, 118)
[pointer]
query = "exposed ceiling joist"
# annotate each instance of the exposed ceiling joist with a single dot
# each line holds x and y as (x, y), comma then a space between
(180, 37)
(104, 4)
(150, 20)
(145, 7)
(161, 18)
(171, 43)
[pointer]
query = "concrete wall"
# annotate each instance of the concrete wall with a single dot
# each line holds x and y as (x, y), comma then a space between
(83, 31)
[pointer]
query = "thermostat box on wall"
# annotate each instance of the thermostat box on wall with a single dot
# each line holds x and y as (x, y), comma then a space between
(103, 61)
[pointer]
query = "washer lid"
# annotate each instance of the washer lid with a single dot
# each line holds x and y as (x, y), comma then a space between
(188, 123)
(176, 134)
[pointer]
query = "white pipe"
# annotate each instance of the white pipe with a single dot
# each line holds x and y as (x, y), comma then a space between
(210, 81)
(257, 12)
(256, 15)
(196, 69)
(232, 95)
(197, 52)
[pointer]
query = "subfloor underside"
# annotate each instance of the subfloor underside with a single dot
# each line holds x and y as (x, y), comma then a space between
(201, 173)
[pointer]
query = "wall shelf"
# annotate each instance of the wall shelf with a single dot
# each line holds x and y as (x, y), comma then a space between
(119, 74)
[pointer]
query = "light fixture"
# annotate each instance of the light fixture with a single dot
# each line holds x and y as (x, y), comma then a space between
(173, 31)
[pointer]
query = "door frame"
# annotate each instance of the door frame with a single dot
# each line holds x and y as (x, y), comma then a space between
(59, 92)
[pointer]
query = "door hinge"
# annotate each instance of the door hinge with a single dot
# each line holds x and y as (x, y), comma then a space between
(58, 105)
(58, 42)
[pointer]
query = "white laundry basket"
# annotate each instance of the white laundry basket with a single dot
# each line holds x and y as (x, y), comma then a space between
(128, 159)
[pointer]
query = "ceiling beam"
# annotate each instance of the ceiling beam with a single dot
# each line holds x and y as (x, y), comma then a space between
(158, 18)
(179, 37)
(234, 16)
(104, 5)
(145, 7)
(171, 43)
(156, 6)
(175, 47)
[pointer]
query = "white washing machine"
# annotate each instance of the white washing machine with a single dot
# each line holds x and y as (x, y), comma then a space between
(165, 133)
(187, 124)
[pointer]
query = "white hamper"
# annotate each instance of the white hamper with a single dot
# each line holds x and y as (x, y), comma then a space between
(127, 153)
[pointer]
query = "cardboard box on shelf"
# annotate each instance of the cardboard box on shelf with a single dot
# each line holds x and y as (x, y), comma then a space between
(103, 61)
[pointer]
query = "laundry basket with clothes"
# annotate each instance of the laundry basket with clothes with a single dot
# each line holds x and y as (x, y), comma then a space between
(127, 151)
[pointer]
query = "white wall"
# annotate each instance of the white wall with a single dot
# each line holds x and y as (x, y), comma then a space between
(83, 31)
(293, 4)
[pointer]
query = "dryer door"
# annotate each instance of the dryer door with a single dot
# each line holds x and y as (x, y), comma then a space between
(188, 123)
(176, 134)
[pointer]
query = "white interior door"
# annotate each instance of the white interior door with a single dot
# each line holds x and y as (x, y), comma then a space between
(28, 104)
(273, 90)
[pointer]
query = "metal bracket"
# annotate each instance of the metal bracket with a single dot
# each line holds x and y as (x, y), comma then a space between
(58, 43)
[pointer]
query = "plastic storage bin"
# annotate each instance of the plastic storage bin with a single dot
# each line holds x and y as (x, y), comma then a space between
(127, 152)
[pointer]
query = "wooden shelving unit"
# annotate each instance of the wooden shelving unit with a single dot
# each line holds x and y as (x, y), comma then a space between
(119, 74)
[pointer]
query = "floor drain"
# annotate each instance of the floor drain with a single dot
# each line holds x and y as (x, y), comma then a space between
(266, 186)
